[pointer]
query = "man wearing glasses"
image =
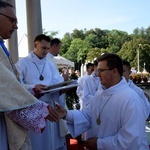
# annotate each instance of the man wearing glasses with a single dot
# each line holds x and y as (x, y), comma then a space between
(116, 114)
(14, 97)
(8, 21)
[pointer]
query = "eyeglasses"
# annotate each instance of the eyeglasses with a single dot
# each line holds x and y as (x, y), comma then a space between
(99, 71)
(12, 20)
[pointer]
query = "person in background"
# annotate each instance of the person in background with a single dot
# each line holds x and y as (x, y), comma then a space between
(91, 86)
(35, 69)
(71, 71)
(55, 46)
(78, 74)
(64, 70)
(54, 49)
(116, 114)
(138, 90)
(89, 70)
(14, 97)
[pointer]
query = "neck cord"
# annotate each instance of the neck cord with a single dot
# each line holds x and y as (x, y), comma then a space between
(98, 120)
(41, 76)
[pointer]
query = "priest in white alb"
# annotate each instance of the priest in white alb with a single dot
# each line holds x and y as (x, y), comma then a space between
(116, 115)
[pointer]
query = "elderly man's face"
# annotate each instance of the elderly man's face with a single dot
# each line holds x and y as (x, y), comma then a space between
(8, 22)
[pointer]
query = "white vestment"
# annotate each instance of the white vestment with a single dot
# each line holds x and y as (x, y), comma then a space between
(90, 87)
(13, 96)
(50, 58)
(122, 116)
(30, 68)
(141, 94)
(62, 98)
(80, 92)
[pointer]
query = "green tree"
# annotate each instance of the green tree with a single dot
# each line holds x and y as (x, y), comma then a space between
(129, 52)
(78, 34)
(93, 53)
(66, 42)
(83, 45)
(51, 34)
(72, 52)
(145, 56)
(116, 39)
(96, 38)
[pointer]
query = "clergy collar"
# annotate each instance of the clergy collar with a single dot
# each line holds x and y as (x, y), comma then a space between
(35, 59)
(122, 84)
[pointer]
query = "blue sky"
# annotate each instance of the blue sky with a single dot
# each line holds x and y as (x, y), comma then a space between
(66, 15)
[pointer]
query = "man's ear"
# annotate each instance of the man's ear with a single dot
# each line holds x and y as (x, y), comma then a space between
(115, 70)
(35, 44)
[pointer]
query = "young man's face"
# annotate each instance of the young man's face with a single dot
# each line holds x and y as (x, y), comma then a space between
(90, 70)
(41, 48)
(126, 72)
(105, 73)
(56, 49)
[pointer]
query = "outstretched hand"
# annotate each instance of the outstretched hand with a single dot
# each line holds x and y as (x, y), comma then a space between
(53, 116)
(62, 112)
(57, 113)
(39, 88)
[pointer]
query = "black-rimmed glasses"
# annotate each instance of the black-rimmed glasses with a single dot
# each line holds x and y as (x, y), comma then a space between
(12, 20)
(99, 71)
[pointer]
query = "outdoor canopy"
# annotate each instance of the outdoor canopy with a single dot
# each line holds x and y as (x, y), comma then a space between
(63, 62)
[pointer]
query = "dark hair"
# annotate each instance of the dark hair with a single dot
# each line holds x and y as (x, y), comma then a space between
(89, 65)
(95, 63)
(126, 63)
(4, 4)
(42, 37)
(55, 41)
(113, 61)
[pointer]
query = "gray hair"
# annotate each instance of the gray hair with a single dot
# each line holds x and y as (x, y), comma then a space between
(3, 5)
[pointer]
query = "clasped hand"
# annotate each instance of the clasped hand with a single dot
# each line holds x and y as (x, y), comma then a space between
(57, 113)
(39, 88)
(91, 143)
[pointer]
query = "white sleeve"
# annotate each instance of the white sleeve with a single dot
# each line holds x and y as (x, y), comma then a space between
(77, 126)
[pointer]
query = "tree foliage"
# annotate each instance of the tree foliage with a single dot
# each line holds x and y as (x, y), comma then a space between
(86, 45)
